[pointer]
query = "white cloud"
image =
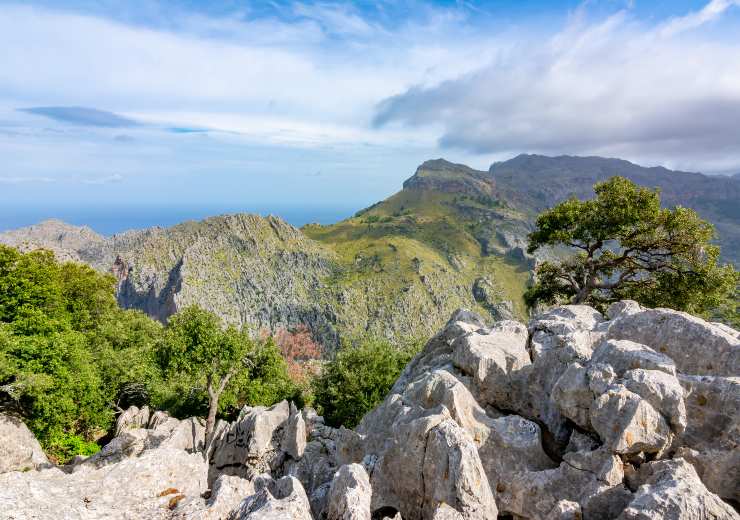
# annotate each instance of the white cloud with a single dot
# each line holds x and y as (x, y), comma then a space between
(26, 180)
(612, 87)
(710, 12)
(107, 179)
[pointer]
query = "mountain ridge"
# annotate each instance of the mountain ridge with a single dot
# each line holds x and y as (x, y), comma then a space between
(451, 237)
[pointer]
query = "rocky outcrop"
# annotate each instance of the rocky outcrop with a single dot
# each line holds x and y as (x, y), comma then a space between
(350, 494)
(19, 449)
(570, 417)
(673, 491)
(148, 486)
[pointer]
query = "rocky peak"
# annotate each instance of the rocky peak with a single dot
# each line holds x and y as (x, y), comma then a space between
(444, 176)
(65, 240)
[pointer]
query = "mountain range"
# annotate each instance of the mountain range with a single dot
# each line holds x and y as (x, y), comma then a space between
(452, 237)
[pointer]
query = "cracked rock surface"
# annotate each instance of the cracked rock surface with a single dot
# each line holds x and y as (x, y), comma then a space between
(632, 415)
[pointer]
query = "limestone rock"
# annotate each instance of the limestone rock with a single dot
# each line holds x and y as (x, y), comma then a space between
(445, 512)
(294, 442)
(623, 355)
(226, 495)
(491, 356)
(19, 449)
(132, 418)
(281, 500)
(695, 346)
(627, 423)
(252, 444)
(148, 486)
(350, 494)
(675, 492)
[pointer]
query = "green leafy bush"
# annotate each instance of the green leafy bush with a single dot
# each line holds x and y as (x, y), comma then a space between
(358, 378)
(64, 447)
(66, 349)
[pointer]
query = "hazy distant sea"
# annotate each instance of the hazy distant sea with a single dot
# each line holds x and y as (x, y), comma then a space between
(111, 220)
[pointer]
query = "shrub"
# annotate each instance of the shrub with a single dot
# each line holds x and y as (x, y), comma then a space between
(63, 448)
(358, 378)
(66, 349)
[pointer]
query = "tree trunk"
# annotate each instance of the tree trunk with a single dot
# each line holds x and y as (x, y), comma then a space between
(211, 419)
(581, 296)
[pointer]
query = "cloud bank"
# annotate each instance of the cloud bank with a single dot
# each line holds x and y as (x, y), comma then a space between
(655, 94)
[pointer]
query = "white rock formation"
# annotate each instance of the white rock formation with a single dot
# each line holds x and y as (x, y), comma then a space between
(575, 416)
(19, 449)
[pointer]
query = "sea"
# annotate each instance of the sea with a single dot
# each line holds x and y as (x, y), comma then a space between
(115, 219)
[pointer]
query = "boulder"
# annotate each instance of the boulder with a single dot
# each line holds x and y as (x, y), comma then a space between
(131, 419)
(628, 424)
(350, 494)
(19, 449)
(674, 491)
(279, 500)
(294, 441)
(148, 486)
(695, 346)
(490, 357)
(252, 444)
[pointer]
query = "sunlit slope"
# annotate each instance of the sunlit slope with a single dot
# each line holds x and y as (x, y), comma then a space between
(428, 249)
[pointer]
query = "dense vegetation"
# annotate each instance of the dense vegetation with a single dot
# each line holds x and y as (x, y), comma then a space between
(628, 247)
(70, 357)
(358, 378)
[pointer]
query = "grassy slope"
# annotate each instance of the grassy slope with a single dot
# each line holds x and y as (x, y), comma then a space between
(419, 237)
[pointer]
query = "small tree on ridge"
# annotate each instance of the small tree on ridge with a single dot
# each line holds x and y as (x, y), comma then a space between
(629, 247)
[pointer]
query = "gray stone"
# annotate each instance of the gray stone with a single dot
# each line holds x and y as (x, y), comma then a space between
(490, 357)
(695, 346)
(294, 441)
(628, 424)
(19, 449)
(674, 492)
(280, 500)
(625, 355)
(252, 444)
(148, 486)
(350, 494)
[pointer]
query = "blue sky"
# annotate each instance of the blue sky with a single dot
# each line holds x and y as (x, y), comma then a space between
(154, 111)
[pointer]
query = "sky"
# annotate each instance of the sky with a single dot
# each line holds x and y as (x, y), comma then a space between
(129, 114)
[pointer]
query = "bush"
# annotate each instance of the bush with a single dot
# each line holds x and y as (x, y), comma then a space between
(358, 378)
(66, 349)
(63, 448)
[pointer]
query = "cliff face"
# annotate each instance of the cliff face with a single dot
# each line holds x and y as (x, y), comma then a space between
(265, 274)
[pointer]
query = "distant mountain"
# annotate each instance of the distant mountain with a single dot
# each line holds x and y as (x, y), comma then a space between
(532, 183)
(451, 237)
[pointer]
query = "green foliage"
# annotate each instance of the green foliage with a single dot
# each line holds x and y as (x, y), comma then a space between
(66, 350)
(64, 447)
(198, 352)
(358, 378)
(69, 356)
(629, 248)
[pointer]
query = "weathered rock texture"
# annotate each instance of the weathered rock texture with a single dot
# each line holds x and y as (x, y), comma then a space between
(576, 416)
(19, 449)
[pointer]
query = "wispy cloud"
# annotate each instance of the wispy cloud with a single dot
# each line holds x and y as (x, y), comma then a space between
(107, 179)
(710, 12)
(82, 116)
(26, 180)
(611, 87)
